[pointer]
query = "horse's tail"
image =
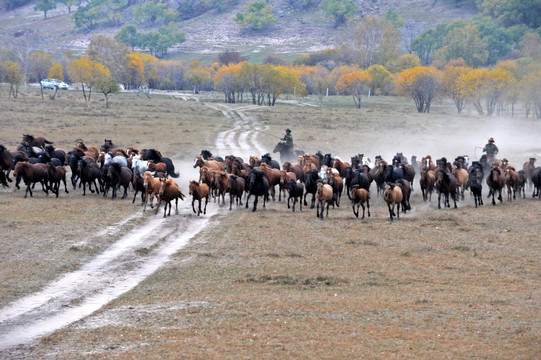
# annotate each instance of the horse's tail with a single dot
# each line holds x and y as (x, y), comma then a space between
(47, 141)
(171, 170)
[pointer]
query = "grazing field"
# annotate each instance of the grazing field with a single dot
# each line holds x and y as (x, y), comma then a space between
(450, 283)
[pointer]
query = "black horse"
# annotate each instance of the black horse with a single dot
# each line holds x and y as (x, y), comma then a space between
(208, 155)
(310, 182)
(120, 176)
(536, 181)
(393, 174)
(89, 172)
(356, 177)
(74, 157)
(152, 154)
(259, 186)
(56, 153)
(296, 190)
(267, 159)
(446, 186)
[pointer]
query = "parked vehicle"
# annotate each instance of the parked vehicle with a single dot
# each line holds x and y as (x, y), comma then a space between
(54, 84)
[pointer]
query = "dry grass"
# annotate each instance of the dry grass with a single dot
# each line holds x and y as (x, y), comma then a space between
(434, 284)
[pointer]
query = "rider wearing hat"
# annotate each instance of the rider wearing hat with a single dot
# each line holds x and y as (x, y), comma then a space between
(288, 140)
(491, 149)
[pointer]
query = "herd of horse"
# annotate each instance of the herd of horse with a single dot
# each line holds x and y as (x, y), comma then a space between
(326, 178)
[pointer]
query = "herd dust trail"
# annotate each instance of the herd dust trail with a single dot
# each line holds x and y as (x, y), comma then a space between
(121, 267)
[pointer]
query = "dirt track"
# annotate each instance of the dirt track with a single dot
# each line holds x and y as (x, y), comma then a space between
(123, 265)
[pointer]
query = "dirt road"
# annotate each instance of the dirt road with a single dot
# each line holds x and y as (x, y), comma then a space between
(128, 261)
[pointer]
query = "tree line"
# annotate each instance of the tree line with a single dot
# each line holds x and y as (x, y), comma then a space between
(109, 64)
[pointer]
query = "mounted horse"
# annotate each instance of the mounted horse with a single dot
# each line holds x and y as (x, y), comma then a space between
(258, 186)
(286, 153)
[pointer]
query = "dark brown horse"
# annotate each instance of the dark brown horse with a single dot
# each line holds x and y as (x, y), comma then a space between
(427, 180)
(446, 186)
(56, 175)
(340, 166)
(6, 161)
(273, 176)
(496, 182)
(31, 174)
(120, 176)
(38, 141)
(359, 197)
(512, 182)
(236, 189)
(89, 172)
(528, 168)
(220, 181)
(297, 169)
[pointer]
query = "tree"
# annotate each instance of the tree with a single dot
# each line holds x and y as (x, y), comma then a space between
(68, 4)
(13, 75)
(22, 47)
(382, 79)
(171, 74)
(45, 6)
(107, 86)
(197, 75)
(109, 52)
(87, 72)
(354, 84)
(530, 93)
(512, 12)
(465, 43)
(406, 61)
(421, 83)
(227, 80)
(530, 46)
(315, 78)
(39, 64)
(370, 40)
(229, 57)
(257, 15)
(134, 71)
(339, 11)
(392, 16)
(129, 36)
(56, 72)
(453, 87)
(150, 14)
(87, 16)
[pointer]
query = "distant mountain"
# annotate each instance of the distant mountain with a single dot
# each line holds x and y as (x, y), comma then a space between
(212, 31)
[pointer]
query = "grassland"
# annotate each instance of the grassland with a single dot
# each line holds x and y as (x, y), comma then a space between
(457, 283)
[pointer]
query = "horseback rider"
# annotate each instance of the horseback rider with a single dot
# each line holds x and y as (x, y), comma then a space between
(491, 149)
(288, 139)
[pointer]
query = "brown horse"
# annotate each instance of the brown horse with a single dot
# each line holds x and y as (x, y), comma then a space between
(56, 174)
(340, 166)
(31, 174)
(528, 167)
(406, 193)
(337, 184)
(446, 186)
(462, 177)
(220, 181)
(38, 141)
(324, 197)
(157, 167)
(297, 169)
(359, 197)
(495, 181)
(285, 176)
(273, 176)
(512, 182)
(427, 181)
(379, 176)
(236, 189)
(199, 191)
(427, 163)
(168, 192)
(213, 164)
(152, 188)
(392, 195)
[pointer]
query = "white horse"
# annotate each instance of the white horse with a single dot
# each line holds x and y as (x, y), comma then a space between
(138, 166)
(121, 160)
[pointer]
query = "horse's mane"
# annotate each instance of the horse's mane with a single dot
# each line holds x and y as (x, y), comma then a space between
(267, 155)
(206, 154)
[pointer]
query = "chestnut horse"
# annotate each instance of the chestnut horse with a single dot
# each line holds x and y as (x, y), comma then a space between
(297, 169)
(212, 164)
(168, 192)
(199, 191)
(273, 176)
(528, 168)
(220, 181)
(285, 176)
(38, 141)
(152, 188)
(340, 166)
(427, 180)
(31, 174)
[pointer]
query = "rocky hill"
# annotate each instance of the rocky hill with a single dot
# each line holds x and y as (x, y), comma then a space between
(212, 32)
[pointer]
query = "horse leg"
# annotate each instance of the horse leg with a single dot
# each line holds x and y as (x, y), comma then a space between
(368, 206)
(206, 202)
(439, 200)
(363, 210)
(255, 203)
(248, 199)
(193, 205)
(355, 213)
(391, 211)
(327, 215)
(28, 189)
(313, 200)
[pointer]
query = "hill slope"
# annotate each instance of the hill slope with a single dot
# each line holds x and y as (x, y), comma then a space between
(207, 35)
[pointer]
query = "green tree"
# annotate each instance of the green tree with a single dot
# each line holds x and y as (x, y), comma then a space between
(150, 14)
(45, 6)
(87, 16)
(393, 17)
(257, 15)
(129, 36)
(464, 43)
(68, 4)
(107, 86)
(512, 12)
(339, 11)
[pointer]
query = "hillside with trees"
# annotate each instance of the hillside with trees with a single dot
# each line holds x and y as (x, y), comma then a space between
(261, 50)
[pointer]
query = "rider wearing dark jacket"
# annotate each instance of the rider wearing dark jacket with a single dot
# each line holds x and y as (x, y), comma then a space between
(491, 149)
(288, 140)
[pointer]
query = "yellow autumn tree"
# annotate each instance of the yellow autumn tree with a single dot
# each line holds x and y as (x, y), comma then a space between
(39, 65)
(278, 80)
(56, 72)
(382, 79)
(198, 75)
(150, 67)
(314, 78)
(133, 75)
(11, 73)
(530, 93)
(453, 87)
(87, 72)
(227, 79)
(422, 83)
(354, 83)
